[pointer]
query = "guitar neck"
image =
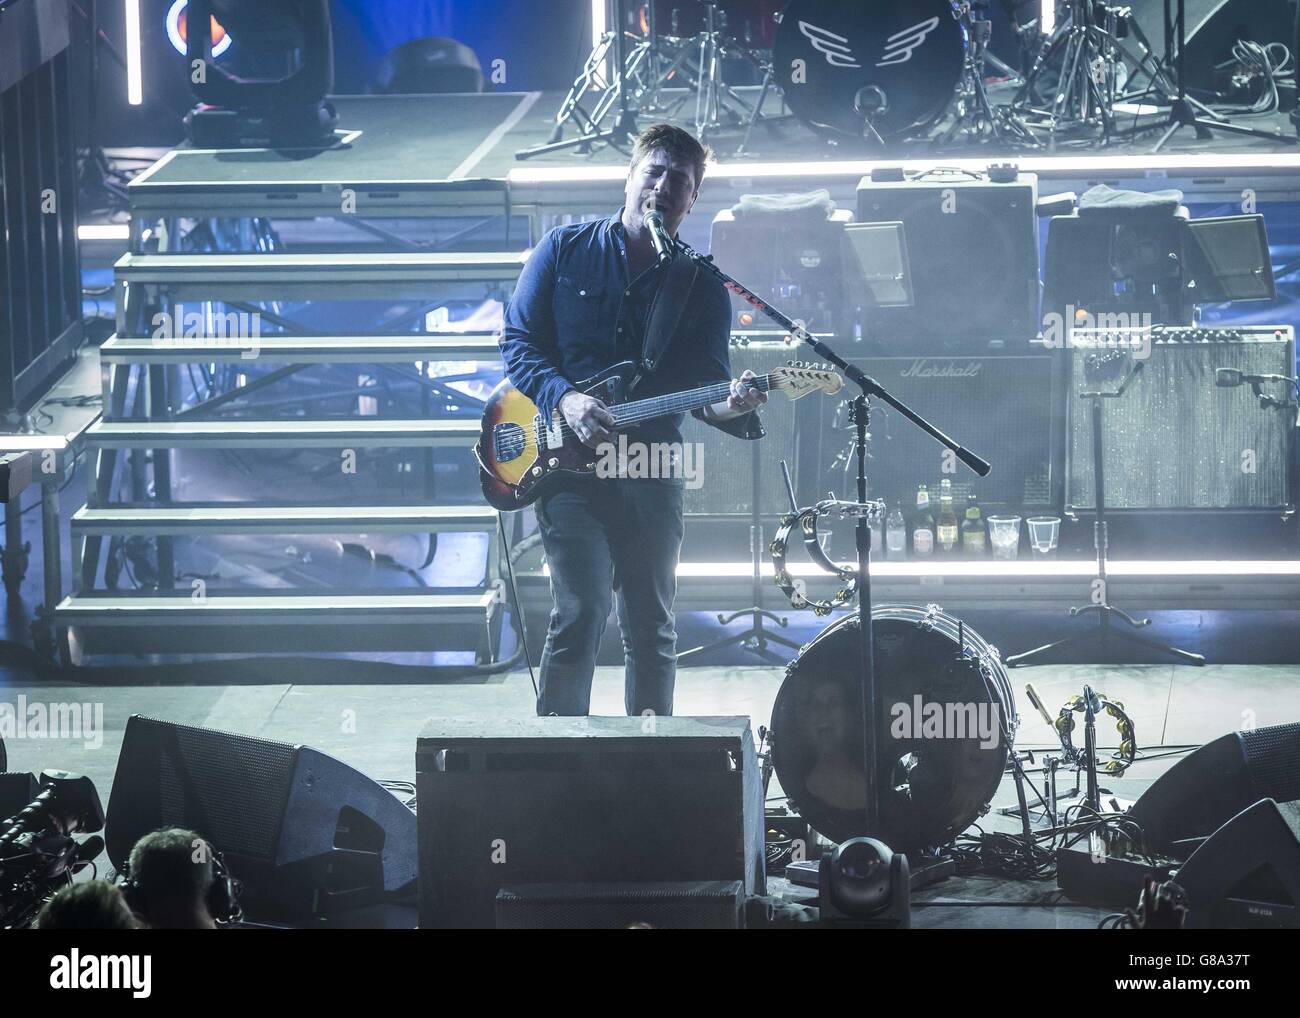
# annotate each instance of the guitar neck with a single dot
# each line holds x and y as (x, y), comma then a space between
(629, 414)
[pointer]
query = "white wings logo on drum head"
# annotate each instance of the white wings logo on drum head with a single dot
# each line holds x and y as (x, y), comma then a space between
(901, 45)
(834, 47)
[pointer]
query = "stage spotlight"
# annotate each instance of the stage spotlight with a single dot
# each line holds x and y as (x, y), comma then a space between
(288, 111)
(430, 64)
(863, 882)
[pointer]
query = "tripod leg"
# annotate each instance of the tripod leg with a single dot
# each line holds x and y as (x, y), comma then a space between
(1021, 659)
(1156, 645)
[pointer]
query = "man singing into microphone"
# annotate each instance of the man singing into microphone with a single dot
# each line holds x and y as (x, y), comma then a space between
(590, 296)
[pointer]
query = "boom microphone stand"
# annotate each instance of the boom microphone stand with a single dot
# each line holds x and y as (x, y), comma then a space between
(861, 411)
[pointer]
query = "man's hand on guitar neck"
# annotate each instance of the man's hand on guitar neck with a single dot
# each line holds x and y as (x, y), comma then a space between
(744, 398)
(589, 418)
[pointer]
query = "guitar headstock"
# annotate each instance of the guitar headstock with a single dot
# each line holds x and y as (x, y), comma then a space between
(798, 379)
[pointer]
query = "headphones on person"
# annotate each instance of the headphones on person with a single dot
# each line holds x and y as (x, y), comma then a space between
(221, 900)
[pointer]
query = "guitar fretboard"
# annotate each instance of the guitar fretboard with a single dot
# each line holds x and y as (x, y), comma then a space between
(628, 414)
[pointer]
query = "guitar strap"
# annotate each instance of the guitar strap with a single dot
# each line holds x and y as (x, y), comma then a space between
(665, 314)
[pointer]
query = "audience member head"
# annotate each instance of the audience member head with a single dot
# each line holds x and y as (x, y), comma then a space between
(93, 905)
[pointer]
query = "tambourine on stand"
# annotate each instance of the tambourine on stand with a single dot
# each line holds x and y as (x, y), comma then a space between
(805, 520)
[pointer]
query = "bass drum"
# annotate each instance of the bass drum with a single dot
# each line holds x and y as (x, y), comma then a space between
(946, 721)
(904, 57)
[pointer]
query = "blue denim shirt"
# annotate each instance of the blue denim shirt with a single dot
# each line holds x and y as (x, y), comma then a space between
(575, 312)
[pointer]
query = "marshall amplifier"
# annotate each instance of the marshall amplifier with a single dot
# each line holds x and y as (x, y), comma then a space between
(1007, 408)
(1185, 434)
(972, 249)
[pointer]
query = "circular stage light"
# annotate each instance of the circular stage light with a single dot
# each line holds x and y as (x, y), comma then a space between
(176, 30)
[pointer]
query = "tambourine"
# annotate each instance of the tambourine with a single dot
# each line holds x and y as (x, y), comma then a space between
(806, 520)
(1122, 758)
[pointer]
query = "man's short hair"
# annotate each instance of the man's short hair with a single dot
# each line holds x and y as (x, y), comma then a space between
(170, 868)
(680, 145)
(94, 905)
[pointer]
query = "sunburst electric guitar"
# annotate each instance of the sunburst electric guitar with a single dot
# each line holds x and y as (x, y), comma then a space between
(520, 451)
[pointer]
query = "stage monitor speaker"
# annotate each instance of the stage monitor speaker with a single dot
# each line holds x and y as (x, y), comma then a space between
(1247, 874)
(698, 905)
(972, 247)
(727, 467)
(1205, 789)
(1212, 28)
(793, 260)
(1175, 439)
(306, 834)
(582, 800)
(1007, 408)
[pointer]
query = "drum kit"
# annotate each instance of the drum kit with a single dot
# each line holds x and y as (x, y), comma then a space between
(878, 75)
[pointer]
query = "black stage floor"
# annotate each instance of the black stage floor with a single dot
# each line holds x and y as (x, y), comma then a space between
(1173, 709)
(458, 137)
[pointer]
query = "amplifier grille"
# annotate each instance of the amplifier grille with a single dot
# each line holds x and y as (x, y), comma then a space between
(728, 461)
(1273, 756)
(1175, 440)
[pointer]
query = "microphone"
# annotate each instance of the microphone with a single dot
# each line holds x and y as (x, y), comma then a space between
(1230, 378)
(664, 244)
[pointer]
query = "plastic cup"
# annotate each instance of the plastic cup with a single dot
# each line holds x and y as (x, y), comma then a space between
(1004, 536)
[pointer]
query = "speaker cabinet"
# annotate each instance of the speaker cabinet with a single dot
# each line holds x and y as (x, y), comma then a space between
(700, 905)
(972, 248)
(306, 834)
(793, 260)
(1174, 439)
(1247, 874)
(1205, 789)
(582, 800)
(1007, 408)
(729, 464)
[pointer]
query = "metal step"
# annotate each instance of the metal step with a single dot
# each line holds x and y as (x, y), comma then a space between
(341, 434)
(330, 608)
(328, 276)
(274, 622)
(246, 519)
(407, 349)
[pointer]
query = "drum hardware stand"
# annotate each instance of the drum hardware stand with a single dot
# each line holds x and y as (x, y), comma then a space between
(1087, 48)
(1104, 633)
(1051, 816)
(1183, 113)
(975, 116)
(626, 68)
(699, 59)
(860, 416)
(755, 638)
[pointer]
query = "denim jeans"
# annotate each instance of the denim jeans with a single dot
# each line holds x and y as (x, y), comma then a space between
(600, 534)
